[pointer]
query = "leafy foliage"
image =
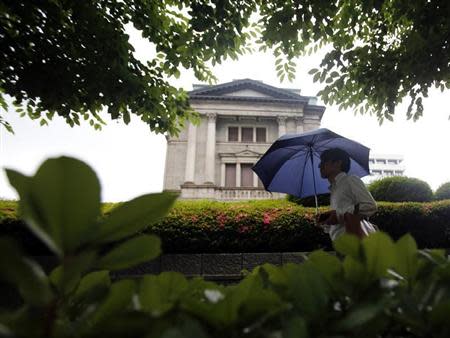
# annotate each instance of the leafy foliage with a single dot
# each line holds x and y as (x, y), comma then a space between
(401, 189)
(443, 192)
(74, 57)
(380, 288)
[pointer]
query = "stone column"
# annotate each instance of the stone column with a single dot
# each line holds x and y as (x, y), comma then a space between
(222, 174)
(210, 158)
(281, 125)
(238, 174)
(255, 180)
(190, 153)
(299, 124)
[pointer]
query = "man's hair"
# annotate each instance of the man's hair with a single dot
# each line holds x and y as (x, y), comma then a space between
(337, 154)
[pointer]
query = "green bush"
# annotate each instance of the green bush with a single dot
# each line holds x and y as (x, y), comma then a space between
(378, 288)
(401, 189)
(443, 192)
(322, 200)
(266, 226)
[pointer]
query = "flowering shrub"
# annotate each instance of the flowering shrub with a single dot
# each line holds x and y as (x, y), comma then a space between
(265, 226)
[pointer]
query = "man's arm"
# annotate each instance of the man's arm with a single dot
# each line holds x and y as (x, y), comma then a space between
(362, 196)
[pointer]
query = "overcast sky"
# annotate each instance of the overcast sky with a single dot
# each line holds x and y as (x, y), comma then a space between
(129, 159)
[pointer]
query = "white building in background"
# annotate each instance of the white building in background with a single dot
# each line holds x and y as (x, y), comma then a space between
(384, 165)
(239, 122)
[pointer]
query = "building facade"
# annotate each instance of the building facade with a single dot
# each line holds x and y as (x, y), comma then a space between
(239, 122)
(385, 165)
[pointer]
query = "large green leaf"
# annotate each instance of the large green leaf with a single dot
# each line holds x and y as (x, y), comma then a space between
(360, 315)
(307, 288)
(330, 266)
(159, 294)
(119, 298)
(134, 251)
(62, 200)
(92, 287)
(407, 257)
(295, 327)
(135, 215)
(380, 254)
(66, 276)
(28, 276)
(348, 245)
(354, 271)
(32, 215)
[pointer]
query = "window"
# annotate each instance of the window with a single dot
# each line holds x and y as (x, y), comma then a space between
(230, 175)
(233, 133)
(389, 172)
(260, 184)
(371, 161)
(376, 172)
(392, 161)
(261, 135)
(246, 175)
(381, 161)
(247, 134)
(398, 172)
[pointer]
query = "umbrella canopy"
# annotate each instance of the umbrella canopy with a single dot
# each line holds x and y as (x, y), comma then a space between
(291, 165)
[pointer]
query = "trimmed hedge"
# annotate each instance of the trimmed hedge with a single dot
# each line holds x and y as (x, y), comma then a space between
(443, 192)
(401, 189)
(322, 200)
(264, 226)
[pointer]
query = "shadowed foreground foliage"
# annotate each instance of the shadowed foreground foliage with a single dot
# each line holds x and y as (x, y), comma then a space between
(379, 288)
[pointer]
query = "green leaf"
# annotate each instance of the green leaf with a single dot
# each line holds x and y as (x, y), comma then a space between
(28, 276)
(67, 276)
(295, 327)
(135, 215)
(330, 266)
(307, 288)
(26, 210)
(359, 316)
(159, 294)
(348, 245)
(354, 271)
(313, 71)
(119, 298)
(407, 257)
(134, 251)
(379, 253)
(61, 200)
(92, 287)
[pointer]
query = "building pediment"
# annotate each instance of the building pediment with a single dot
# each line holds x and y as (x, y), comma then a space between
(246, 88)
(243, 153)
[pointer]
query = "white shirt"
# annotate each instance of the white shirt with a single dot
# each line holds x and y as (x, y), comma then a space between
(345, 192)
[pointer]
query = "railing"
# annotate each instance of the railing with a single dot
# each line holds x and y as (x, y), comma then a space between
(225, 194)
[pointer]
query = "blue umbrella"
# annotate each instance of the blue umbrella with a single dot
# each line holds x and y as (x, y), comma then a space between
(291, 164)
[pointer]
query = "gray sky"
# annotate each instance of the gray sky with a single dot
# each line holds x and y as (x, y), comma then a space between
(129, 159)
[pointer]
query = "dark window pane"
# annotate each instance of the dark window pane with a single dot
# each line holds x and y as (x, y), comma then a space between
(247, 135)
(230, 175)
(260, 134)
(246, 175)
(233, 134)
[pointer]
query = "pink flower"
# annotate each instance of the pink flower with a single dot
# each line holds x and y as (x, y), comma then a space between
(266, 218)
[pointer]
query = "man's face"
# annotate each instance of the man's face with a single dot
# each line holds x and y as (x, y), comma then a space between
(324, 167)
(329, 168)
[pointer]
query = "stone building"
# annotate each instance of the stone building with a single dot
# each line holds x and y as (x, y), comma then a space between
(239, 122)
